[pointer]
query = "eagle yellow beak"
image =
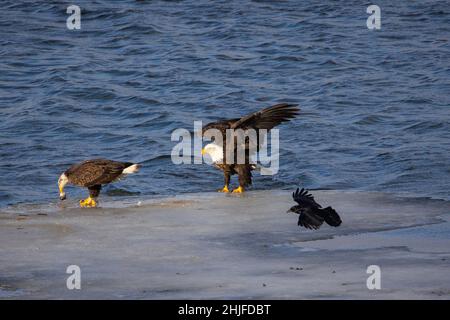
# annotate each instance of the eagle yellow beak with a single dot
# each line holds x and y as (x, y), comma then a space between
(62, 194)
(203, 151)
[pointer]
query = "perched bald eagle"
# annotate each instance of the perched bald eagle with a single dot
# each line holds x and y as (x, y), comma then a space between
(92, 174)
(267, 119)
(311, 214)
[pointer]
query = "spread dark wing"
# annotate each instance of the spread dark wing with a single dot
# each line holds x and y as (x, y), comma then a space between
(94, 172)
(264, 119)
(304, 199)
(309, 219)
(331, 217)
(221, 125)
(267, 118)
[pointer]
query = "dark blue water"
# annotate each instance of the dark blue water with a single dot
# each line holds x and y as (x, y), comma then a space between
(375, 104)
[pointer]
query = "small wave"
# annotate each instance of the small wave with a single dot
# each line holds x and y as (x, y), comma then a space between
(290, 58)
(329, 62)
(371, 119)
(160, 158)
(417, 100)
(138, 28)
(424, 126)
(234, 57)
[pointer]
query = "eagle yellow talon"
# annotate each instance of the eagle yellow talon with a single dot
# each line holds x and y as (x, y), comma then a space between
(88, 203)
(225, 189)
(238, 190)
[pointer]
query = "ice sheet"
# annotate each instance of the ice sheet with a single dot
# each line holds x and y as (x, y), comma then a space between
(227, 246)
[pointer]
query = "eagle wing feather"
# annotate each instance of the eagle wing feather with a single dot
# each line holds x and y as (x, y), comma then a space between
(267, 118)
(95, 172)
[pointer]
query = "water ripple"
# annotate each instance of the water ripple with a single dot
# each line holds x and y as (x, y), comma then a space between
(375, 105)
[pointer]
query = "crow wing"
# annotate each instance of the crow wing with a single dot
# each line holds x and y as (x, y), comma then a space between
(331, 217)
(310, 219)
(305, 199)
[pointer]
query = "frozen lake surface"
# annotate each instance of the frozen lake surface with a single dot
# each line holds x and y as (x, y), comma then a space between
(227, 246)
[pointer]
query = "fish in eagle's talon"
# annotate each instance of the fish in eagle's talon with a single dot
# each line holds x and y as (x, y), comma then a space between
(225, 189)
(238, 190)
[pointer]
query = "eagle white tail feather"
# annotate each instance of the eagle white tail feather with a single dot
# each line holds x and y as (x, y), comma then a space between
(131, 169)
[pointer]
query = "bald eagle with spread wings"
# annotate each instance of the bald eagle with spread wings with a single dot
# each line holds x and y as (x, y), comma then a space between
(265, 119)
(92, 174)
(311, 214)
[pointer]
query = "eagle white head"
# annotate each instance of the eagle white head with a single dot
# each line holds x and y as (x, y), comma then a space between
(214, 151)
(62, 181)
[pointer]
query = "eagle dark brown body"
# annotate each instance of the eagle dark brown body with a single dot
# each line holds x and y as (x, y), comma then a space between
(92, 174)
(266, 119)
